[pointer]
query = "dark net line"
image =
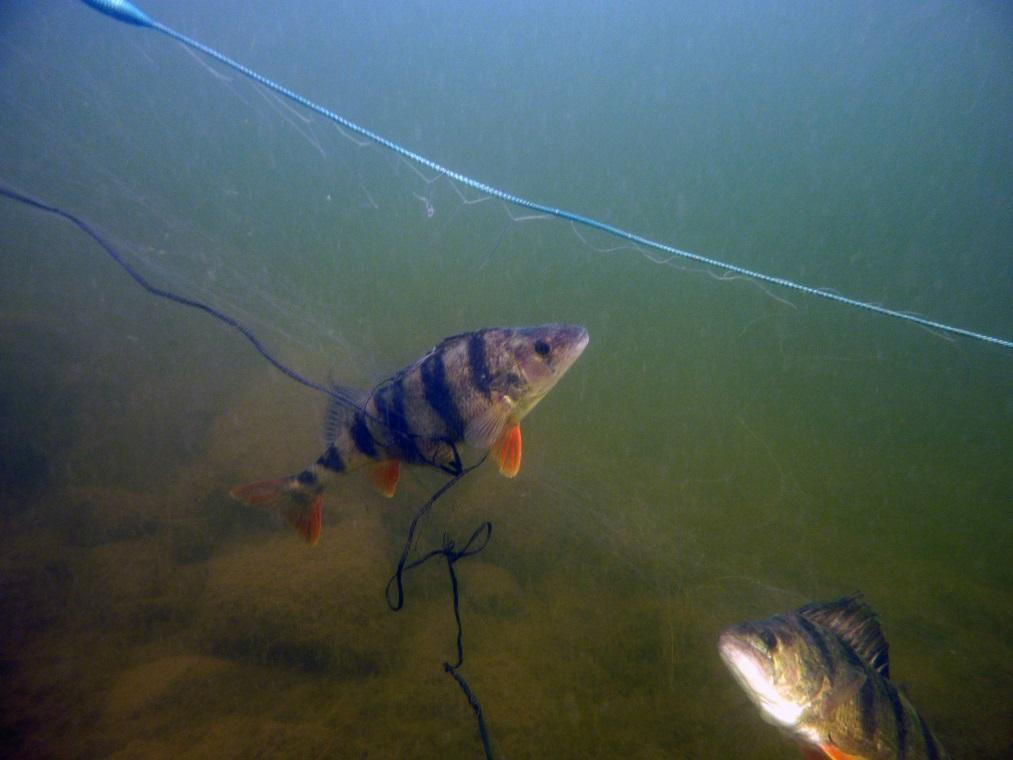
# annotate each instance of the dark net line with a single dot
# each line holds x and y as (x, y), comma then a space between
(478, 541)
(456, 468)
(337, 395)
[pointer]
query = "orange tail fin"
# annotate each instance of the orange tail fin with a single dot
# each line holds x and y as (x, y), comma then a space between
(508, 450)
(302, 509)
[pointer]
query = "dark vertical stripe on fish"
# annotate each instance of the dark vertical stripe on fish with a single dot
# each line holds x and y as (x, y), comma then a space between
(331, 459)
(361, 436)
(898, 717)
(820, 643)
(931, 750)
(437, 393)
(867, 708)
(478, 362)
(397, 421)
(880, 663)
(382, 404)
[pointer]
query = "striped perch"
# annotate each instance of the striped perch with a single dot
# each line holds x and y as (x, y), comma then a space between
(822, 674)
(472, 388)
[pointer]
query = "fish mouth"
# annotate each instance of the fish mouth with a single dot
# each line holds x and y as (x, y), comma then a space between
(583, 338)
(741, 658)
(572, 339)
(752, 669)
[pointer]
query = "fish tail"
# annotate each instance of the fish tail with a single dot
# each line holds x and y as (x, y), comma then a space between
(301, 505)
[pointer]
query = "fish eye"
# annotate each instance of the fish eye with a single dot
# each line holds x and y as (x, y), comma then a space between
(541, 347)
(769, 640)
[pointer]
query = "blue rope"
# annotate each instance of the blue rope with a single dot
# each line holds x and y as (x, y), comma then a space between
(126, 11)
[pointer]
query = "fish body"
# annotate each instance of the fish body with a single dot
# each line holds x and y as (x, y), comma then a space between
(472, 388)
(821, 673)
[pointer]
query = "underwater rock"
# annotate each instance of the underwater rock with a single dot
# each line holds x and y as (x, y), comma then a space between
(211, 516)
(312, 609)
(89, 517)
(24, 468)
(143, 686)
(489, 589)
(133, 589)
(36, 584)
(144, 748)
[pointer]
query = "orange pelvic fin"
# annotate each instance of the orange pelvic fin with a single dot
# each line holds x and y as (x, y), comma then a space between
(508, 450)
(835, 753)
(810, 752)
(385, 476)
(302, 510)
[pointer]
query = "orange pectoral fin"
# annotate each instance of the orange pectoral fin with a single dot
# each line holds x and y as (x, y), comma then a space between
(508, 450)
(385, 476)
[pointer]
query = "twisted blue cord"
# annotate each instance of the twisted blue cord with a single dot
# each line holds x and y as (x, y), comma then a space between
(126, 11)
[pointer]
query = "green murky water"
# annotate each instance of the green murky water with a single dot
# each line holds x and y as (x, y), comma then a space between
(720, 452)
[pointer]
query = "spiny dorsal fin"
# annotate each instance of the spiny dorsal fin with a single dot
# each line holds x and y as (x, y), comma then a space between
(855, 622)
(339, 407)
(453, 339)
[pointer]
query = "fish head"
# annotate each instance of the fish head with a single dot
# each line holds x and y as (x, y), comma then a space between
(526, 362)
(776, 666)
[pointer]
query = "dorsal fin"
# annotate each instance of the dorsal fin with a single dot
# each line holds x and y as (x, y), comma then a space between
(340, 407)
(856, 623)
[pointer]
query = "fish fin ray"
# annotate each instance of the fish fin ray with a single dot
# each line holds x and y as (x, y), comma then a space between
(262, 493)
(340, 406)
(857, 625)
(483, 430)
(844, 690)
(301, 509)
(507, 450)
(836, 753)
(307, 520)
(385, 476)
